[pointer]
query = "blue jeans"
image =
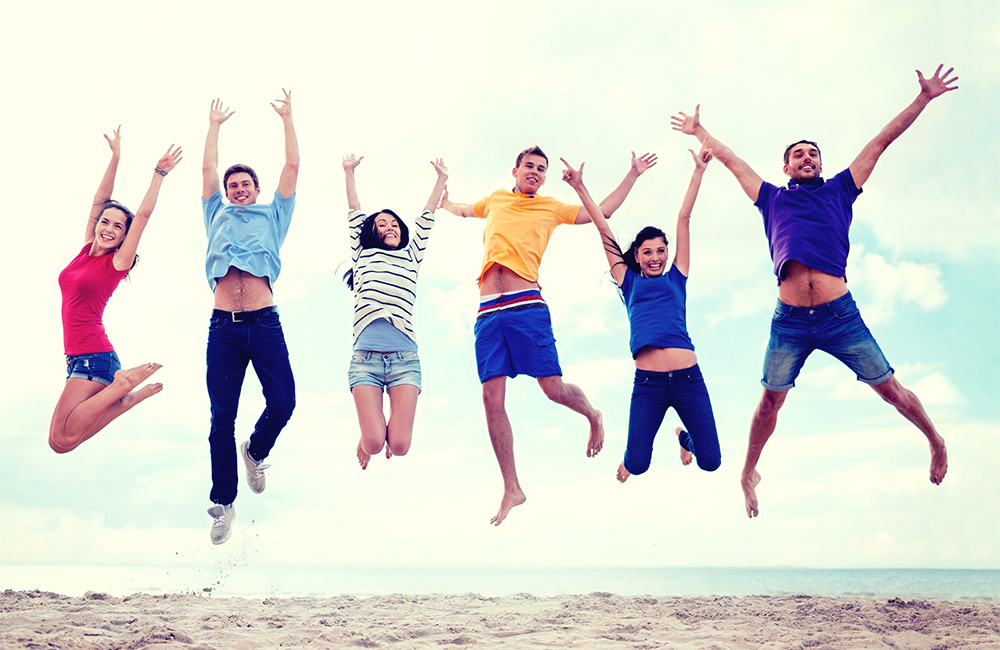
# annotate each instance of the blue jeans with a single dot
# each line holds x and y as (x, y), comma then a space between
(384, 369)
(231, 346)
(652, 394)
(834, 327)
(98, 366)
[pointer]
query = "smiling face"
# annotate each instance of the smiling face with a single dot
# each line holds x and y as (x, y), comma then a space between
(802, 162)
(651, 255)
(241, 189)
(387, 229)
(530, 174)
(110, 231)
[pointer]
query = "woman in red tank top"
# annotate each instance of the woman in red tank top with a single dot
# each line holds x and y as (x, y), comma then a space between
(97, 390)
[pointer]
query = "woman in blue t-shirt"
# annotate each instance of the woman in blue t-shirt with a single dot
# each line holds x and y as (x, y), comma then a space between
(666, 368)
(385, 262)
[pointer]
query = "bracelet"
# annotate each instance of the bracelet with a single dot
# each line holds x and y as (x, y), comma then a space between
(160, 171)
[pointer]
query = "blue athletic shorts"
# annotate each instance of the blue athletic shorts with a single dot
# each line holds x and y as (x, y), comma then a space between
(98, 366)
(516, 341)
(834, 327)
(384, 369)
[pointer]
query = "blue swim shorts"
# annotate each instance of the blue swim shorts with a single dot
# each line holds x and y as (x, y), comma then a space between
(384, 369)
(98, 366)
(834, 327)
(514, 337)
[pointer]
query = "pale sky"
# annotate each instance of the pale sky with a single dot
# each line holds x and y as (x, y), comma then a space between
(844, 477)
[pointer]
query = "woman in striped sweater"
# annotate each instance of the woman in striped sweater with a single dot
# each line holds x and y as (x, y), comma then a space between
(385, 262)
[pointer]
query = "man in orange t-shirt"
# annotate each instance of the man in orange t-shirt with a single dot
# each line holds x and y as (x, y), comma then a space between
(513, 329)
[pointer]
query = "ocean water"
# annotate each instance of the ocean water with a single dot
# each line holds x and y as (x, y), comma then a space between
(660, 582)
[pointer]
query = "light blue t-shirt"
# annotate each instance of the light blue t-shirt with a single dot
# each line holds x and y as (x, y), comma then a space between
(247, 237)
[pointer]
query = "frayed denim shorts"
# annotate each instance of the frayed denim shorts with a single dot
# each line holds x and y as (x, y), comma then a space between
(834, 327)
(99, 366)
(384, 369)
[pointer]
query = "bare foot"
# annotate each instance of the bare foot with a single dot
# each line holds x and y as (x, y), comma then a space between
(686, 456)
(137, 396)
(135, 376)
(388, 452)
(509, 501)
(939, 462)
(596, 442)
(623, 473)
(750, 494)
(363, 457)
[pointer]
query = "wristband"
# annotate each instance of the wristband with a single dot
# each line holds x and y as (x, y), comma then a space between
(160, 171)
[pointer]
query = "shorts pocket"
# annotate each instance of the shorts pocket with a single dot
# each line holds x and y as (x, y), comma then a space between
(545, 341)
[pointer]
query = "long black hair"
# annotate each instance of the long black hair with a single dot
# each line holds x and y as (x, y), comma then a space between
(371, 239)
(647, 233)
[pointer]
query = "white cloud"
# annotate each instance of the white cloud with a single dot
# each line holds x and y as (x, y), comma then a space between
(889, 285)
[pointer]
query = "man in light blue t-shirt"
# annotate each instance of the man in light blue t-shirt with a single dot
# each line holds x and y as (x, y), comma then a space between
(241, 264)
(807, 227)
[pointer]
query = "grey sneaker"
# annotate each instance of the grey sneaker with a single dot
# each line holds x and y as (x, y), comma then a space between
(222, 522)
(255, 470)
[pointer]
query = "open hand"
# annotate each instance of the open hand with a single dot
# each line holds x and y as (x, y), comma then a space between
(219, 114)
(170, 159)
(643, 163)
(937, 85)
(439, 167)
(685, 123)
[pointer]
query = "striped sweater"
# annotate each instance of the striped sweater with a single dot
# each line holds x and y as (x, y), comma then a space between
(385, 281)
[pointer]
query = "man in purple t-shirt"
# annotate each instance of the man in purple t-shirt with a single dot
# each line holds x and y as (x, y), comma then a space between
(807, 227)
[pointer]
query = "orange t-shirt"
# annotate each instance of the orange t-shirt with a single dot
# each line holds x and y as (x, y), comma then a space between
(518, 228)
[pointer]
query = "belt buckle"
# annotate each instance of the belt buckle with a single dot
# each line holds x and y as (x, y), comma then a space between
(232, 316)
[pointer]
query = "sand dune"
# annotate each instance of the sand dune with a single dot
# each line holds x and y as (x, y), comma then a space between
(35, 619)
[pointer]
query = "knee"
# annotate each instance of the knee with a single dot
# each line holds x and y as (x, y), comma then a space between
(636, 466)
(893, 393)
(399, 448)
(282, 409)
(492, 399)
(770, 403)
(709, 464)
(60, 445)
(372, 445)
(554, 388)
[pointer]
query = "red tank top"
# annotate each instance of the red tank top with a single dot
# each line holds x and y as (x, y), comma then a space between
(87, 284)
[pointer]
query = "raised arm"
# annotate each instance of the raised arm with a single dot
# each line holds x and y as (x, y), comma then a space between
(350, 164)
(210, 164)
(682, 258)
(936, 86)
(614, 200)
(106, 187)
(594, 213)
(442, 178)
(457, 209)
(125, 255)
(290, 172)
(747, 177)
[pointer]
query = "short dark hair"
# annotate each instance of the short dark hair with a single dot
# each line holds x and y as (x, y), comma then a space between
(238, 169)
(531, 151)
(647, 233)
(788, 149)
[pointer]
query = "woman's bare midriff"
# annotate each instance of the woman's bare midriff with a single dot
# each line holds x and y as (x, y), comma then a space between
(806, 287)
(499, 279)
(241, 291)
(664, 359)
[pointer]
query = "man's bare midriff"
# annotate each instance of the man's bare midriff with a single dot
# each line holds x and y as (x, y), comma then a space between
(241, 291)
(664, 359)
(499, 279)
(806, 287)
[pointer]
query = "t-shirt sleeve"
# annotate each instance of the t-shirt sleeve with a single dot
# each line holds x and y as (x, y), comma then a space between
(845, 180)
(210, 207)
(420, 233)
(283, 209)
(567, 213)
(764, 196)
(355, 219)
(479, 207)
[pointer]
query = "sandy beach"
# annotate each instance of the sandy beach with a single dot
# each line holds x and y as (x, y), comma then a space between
(36, 619)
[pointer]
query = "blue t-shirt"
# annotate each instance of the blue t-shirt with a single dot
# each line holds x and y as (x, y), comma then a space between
(657, 315)
(809, 222)
(247, 237)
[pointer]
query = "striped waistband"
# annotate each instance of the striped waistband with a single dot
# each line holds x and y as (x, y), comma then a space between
(495, 303)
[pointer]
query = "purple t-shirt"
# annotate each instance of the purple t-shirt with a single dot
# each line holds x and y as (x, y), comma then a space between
(808, 222)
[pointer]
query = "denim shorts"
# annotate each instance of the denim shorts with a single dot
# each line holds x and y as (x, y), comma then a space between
(834, 327)
(516, 341)
(99, 366)
(384, 369)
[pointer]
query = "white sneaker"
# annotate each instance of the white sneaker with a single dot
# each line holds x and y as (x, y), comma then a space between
(222, 522)
(255, 470)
